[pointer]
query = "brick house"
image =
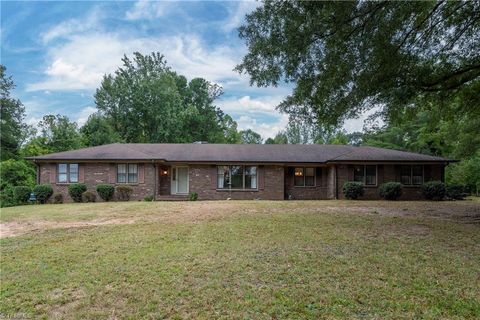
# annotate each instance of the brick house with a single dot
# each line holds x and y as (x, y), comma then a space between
(222, 171)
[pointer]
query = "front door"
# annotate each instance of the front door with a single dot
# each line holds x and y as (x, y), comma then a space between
(179, 180)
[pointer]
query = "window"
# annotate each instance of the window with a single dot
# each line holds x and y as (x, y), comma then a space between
(67, 173)
(304, 177)
(127, 173)
(237, 177)
(411, 175)
(366, 174)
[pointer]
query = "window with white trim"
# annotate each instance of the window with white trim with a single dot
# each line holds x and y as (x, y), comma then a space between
(411, 175)
(304, 177)
(237, 177)
(127, 173)
(67, 173)
(365, 174)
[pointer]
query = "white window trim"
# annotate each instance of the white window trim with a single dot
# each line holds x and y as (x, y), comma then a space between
(67, 173)
(126, 173)
(304, 176)
(365, 174)
(243, 177)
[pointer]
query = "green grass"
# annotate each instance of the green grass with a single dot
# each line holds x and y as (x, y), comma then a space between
(292, 263)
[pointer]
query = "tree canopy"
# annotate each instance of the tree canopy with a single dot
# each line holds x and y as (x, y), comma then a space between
(351, 56)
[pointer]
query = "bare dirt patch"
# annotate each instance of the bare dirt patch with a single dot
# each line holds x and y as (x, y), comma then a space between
(196, 212)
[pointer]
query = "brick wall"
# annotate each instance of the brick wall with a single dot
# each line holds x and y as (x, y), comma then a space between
(322, 189)
(387, 173)
(96, 173)
(203, 181)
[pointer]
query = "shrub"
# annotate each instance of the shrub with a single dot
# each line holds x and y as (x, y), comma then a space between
(391, 190)
(456, 192)
(43, 192)
(192, 196)
(105, 191)
(21, 194)
(124, 193)
(353, 190)
(57, 198)
(75, 191)
(6, 197)
(89, 196)
(434, 190)
(16, 173)
(148, 198)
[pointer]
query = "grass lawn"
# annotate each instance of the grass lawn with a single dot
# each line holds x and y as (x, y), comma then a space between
(239, 259)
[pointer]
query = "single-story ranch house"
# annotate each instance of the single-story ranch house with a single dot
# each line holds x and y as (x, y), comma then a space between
(227, 171)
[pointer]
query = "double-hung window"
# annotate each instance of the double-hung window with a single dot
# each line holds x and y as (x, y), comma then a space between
(411, 175)
(67, 173)
(366, 174)
(304, 177)
(237, 177)
(127, 173)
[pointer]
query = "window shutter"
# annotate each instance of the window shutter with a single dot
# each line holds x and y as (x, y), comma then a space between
(397, 173)
(213, 177)
(53, 173)
(350, 172)
(112, 174)
(318, 178)
(141, 173)
(81, 173)
(427, 171)
(261, 177)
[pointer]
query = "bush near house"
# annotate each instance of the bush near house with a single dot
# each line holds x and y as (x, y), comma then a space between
(390, 190)
(57, 198)
(192, 196)
(89, 196)
(43, 192)
(148, 198)
(105, 191)
(434, 190)
(21, 194)
(456, 192)
(353, 190)
(124, 192)
(75, 191)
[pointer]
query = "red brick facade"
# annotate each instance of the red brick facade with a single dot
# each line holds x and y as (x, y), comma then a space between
(274, 182)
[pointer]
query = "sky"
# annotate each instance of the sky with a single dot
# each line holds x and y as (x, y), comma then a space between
(57, 53)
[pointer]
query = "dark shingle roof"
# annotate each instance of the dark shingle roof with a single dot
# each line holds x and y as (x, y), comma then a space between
(238, 153)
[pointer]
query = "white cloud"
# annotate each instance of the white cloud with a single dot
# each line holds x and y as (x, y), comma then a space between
(357, 124)
(84, 114)
(237, 15)
(265, 129)
(264, 104)
(147, 10)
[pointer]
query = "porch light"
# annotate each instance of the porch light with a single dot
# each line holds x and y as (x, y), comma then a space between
(164, 172)
(298, 173)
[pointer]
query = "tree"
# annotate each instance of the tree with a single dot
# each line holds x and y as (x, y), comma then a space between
(250, 137)
(16, 173)
(146, 101)
(57, 133)
(12, 115)
(98, 131)
(230, 131)
(348, 57)
(280, 138)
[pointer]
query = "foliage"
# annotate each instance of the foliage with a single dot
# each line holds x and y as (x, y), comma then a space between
(230, 132)
(58, 134)
(192, 196)
(390, 190)
(250, 137)
(57, 198)
(434, 190)
(75, 190)
(466, 172)
(353, 190)
(105, 191)
(148, 198)
(123, 192)
(16, 173)
(146, 101)
(89, 196)
(387, 55)
(12, 114)
(21, 194)
(455, 192)
(98, 131)
(280, 138)
(43, 192)
(7, 198)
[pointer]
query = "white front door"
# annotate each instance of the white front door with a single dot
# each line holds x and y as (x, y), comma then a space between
(179, 180)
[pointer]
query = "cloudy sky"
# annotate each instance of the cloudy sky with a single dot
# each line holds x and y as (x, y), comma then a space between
(57, 53)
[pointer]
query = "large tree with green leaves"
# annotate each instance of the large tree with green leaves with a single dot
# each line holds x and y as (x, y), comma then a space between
(350, 56)
(250, 137)
(12, 113)
(146, 101)
(57, 133)
(98, 131)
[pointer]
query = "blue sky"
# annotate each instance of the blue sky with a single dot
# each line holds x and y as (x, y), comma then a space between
(57, 53)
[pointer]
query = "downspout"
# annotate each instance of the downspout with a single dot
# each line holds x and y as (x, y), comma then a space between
(336, 183)
(155, 180)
